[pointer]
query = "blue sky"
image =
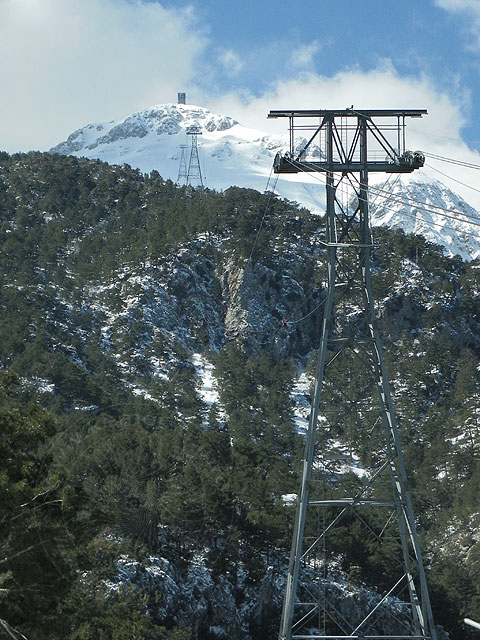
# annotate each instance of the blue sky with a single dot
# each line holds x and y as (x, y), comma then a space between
(417, 35)
(437, 41)
(70, 62)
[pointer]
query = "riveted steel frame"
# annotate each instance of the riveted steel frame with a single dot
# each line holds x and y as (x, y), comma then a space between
(194, 172)
(348, 246)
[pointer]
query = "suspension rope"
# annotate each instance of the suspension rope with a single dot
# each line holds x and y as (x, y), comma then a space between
(270, 194)
(464, 184)
(408, 200)
(461, 163)
(309, 313)
(386, 192)
(428, 223)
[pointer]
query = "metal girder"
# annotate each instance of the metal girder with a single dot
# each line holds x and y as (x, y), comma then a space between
(335, 142)
(285, 165)
(361, 402)
(347, 113)
(355, 503)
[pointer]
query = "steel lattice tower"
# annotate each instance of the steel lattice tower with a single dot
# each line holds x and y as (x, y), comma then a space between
(352, 400)
(194, 173)
(182, 169)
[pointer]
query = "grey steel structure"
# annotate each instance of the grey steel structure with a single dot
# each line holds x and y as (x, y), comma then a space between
(182, 169)
(352, 400)
(194, 172)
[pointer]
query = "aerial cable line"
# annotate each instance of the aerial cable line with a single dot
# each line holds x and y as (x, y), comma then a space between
(309, 313)
(464, 184)
(424, 206)
(435, 209)
(312, 290)
(427, 223)
(436, 157)
(391, 186)
(270, 194)
(386, 195)
(437, 137)
(437, 224)
(462, 163)
(405, 199)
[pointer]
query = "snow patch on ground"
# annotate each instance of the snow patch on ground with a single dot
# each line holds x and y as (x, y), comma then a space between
(207, 388)
(300, 396)
(41, 385)
(336, 456)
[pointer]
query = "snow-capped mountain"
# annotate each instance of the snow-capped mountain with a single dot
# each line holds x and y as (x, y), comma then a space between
(427, 207)
(231, 154)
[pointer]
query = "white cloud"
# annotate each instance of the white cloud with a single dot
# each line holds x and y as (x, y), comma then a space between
(304, 55)
(470, 9)
(67, 63)
(379, 88)
(231, 62)
(459, 5)
(438, 132)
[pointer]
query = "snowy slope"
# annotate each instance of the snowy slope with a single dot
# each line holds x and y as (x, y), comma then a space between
(427, 208)
(231, 154)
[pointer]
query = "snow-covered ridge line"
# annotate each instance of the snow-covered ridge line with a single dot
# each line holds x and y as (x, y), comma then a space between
(231, 154)
(167, 119)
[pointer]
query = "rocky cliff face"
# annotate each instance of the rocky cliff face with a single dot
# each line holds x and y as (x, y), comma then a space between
(262, 308)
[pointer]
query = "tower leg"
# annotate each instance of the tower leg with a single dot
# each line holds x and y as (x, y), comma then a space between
(350, 335)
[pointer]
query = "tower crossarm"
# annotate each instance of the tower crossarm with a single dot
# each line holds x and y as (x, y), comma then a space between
(335, 137)
(348, 112)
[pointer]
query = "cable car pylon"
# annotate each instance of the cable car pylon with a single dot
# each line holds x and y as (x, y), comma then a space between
(194, 172)
(362, 524)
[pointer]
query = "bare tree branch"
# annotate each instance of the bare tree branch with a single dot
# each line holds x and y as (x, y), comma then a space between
(26, 550)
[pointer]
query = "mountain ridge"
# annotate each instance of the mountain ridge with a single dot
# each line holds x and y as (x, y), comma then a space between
(232, 154)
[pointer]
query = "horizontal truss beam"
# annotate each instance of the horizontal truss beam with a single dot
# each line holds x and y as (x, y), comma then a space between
(345, 113)
(283, 165)
(351, 501)
(362, 637)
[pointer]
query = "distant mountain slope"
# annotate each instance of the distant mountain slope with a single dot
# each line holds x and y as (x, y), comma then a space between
(230, 154)
(430, 209)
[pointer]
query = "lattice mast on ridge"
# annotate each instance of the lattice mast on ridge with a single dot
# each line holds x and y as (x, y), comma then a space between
(182, 169)
(352, 400)
(194, 172)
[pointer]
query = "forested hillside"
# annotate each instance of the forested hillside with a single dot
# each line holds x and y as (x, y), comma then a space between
(152, 340)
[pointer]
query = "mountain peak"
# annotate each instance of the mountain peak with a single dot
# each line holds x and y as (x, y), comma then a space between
(231, 154)
(161, 119)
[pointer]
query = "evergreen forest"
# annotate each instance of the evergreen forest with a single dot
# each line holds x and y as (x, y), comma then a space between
(134, 505)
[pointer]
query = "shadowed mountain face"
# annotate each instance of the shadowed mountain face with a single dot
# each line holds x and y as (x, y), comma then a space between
(163, 340)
